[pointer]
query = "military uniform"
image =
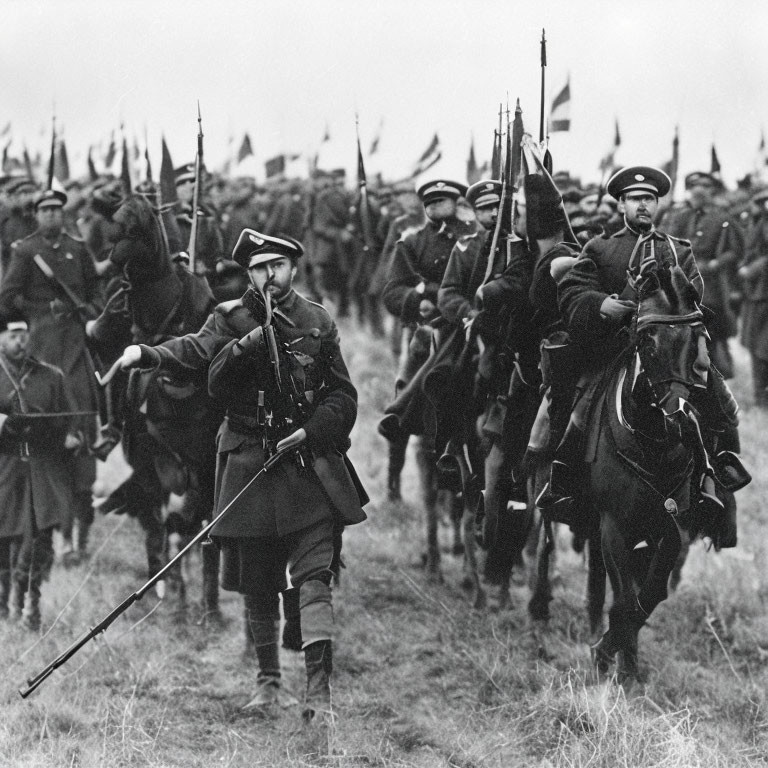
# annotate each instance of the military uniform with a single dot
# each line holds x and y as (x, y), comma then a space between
(209, 248)
(718, 242)
(293, 512)
(35, 487)
(754, 328)
(59, 339)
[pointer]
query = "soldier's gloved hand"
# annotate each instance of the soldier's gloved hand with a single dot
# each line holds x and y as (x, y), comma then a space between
(293, 440)
(250, 342)
(73, 442)
(131, 357)
(614, 308)
(426, 309)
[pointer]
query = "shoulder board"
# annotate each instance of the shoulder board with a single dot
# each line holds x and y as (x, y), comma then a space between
(314, 304)
(623, 231)
(227, 307)
(681, 240)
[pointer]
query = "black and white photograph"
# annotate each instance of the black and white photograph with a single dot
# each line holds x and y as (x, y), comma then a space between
(383, 384)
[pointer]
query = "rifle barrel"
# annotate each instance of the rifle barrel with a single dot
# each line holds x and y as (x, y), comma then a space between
(34, 682)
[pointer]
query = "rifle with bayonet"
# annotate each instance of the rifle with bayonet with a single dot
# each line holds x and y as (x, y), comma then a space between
(37, 680)
(193, 235)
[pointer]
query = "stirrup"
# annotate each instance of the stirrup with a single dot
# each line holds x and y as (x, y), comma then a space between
(730, 473)
(548, 500)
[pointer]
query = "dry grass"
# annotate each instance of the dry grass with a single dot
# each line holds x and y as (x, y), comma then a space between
(421, 679)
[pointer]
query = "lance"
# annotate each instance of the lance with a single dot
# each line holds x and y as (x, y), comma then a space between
(53, 151)
(35, 682)
(196, 193)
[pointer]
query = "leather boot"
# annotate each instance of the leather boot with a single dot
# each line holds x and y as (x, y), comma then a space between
(264, 631)
(557, 497)
(31, 619)
(318, 660)
(5, 592)
(212, 616)
(730, 473)
(292, 614)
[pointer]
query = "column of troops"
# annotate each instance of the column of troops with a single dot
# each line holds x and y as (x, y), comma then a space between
(433, 259)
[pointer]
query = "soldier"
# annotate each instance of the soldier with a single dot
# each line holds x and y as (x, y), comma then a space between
(20, 221)
(331, 257)
(417, 270)
(35, 491)
(754, 279)
(209, 247)
(52, 279)
(718, 242)
(294, 513)
(597, 303)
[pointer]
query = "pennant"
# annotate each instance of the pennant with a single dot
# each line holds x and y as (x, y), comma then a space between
(28, 165)
(61, 162)
(434, 146)
(246, 150)
(275, 166)
(376, 139)
(431, 156)
(109, 158)
(125, 169)
(608, 163)
(714, 166)
(6, 131)
(92, 173)
(670, 167)
(473, 173)
(326, 135)
(560, 113)
(167, 177)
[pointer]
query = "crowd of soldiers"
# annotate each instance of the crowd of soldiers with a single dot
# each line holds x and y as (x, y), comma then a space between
(434, 258)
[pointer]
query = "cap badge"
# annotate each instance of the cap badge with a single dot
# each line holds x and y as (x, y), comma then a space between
(639, 177)
(440, 184)
(257, 240)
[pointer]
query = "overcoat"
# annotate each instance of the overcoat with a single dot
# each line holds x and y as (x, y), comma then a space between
(754, 328)
(34, 474)
(287, 498)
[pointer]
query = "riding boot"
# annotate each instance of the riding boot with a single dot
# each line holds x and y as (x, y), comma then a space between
(292, 614)
(84, 516)
(211, 612)
(557, 497)
(397, 450)
(730, 473)
(32, 617)
(318, 660)
(5, 592)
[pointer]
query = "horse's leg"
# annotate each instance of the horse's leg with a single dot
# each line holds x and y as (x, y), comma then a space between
(616, 557)
(471, 567)
(677, 569)
(541, 596)
(595, 587)
(457, 504)
(425, 459)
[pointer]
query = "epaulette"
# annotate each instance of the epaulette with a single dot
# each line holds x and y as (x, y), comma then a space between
(228, 307)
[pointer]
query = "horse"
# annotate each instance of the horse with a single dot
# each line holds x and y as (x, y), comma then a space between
(171, 446)
(647, 450)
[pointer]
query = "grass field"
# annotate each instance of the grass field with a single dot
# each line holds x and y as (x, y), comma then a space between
(421, 679)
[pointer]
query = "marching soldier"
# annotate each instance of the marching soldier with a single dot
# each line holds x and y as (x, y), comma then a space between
(20, 221)
(718, 242)
(754, 279)
(52, 279)
(35, 490)
(296, 510)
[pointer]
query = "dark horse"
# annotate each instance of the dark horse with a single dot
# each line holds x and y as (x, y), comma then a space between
(168, 426)
(648, 450)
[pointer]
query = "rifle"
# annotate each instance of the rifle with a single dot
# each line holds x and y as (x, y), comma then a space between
(35, 682)
(196, 193)
(364, 209)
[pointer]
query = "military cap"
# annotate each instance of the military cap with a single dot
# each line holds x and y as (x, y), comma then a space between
(22, 184)
(696, 177)
(485, 193)
(184, 173)
(339, 173)
(106, 200)
(440, 189)
(403, 188)
(13, 320)
(639, 178)
(51, 198)
(255, 248)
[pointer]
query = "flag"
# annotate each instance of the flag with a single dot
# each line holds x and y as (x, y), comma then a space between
(275, 166)
(28, 165)
(246, 150)
(496, 157)
(608, 163)
(670, 167)
(714, 166)
(429, 157)
(473, 172)
(6, 131)
(92, 173)
(147, 160)
(326, 135)
(167, 177)
(376, 139)
(61, 162)
(109, 158)
(560, 114)
(125, 169)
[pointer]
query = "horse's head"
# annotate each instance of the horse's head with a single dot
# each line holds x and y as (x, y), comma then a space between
(135, 218)
(670, 338)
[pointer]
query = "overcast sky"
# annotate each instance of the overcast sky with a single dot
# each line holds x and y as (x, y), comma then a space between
(283, 70)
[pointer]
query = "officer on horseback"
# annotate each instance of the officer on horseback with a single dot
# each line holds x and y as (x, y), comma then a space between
(598, 301)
